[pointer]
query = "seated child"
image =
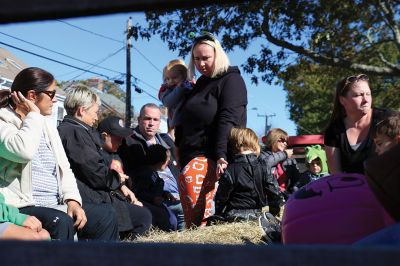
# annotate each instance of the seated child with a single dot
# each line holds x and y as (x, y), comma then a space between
(175, 87)
(17, 226)
(245, 187)
(153, 190)
(383, 173)
(316, 165)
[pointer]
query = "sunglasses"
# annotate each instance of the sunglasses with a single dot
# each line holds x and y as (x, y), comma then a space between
(351, 79)
(282, 140)
(51, 94)
(206, 36)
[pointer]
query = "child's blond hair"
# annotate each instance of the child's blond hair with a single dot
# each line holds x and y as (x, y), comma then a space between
(170, 64)
(180, 70)
(241, 139)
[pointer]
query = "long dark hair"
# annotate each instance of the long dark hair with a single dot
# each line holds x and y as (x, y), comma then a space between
(5, 98)
(342, 87)
(32, 78)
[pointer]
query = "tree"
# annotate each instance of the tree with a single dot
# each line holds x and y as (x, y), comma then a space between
(309, 45)
(325, 32)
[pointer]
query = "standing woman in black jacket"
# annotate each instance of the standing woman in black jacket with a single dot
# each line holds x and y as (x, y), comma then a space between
(215, 105)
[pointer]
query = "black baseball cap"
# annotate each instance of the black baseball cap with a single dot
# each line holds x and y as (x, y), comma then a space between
(114, 126)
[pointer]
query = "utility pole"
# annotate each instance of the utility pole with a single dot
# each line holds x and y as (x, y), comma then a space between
(267, 126)
(128, 108)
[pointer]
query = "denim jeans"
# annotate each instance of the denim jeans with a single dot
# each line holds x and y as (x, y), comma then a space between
(176, 208)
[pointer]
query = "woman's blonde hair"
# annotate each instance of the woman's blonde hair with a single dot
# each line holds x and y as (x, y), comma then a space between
(241, 139)
(274, 135)
(221, 62)
(80, 96)
(170, 64)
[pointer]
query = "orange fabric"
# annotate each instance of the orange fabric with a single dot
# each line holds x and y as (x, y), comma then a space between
(197, 188)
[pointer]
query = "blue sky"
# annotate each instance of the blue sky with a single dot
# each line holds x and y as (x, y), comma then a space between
(77, 43)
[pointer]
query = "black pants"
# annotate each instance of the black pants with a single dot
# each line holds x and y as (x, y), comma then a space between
(160, 216)
(141, 219)
(101, 222)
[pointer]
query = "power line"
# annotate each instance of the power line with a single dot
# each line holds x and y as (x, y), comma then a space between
(111, 39)
(79, 68)
(70, 57)
(53, 60)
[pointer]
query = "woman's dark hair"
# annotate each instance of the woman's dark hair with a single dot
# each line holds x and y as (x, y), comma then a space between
(32, 78)
(5, 98)
(342, 87)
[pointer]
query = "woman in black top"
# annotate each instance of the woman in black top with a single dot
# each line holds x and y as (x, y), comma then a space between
(216, 104)
(348, 137)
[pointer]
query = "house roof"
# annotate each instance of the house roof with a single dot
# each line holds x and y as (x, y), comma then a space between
(10, 65)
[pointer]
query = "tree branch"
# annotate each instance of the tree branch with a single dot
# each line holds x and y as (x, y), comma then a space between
(325, 60)
(389, 15)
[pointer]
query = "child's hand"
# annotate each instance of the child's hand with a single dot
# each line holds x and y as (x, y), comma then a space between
(33, 223)
(169, 197)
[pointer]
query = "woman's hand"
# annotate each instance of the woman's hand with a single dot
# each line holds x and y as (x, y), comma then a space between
(23, 104)
(33, 223)
(123, 177)
(76, 212)
(222, 164)
(131, 196)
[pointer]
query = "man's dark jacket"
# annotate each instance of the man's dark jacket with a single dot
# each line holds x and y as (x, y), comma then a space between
(133, 154)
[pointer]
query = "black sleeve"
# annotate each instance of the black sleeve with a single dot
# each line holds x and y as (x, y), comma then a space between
(87, 162)
(225, 187)
(231, 111)
(271, 188)
(293, 174)
(272, 159)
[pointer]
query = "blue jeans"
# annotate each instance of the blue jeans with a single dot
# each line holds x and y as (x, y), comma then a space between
(101, 222)
(176, 208)
(387, 236)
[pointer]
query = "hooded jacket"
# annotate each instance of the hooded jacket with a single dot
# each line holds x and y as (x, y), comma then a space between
(208, 113)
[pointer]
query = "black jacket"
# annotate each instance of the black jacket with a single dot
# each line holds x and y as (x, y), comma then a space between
(246, 184)
(97, 183)
(133, 154)
(208, 113)
(289, 166)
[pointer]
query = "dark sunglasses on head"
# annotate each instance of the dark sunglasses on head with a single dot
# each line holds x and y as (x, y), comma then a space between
(352, 79)
(206, 36)
(51, 94)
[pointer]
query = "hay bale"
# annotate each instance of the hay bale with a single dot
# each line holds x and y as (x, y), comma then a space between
(227, 234)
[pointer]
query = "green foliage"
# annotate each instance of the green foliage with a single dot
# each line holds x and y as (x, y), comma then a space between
(309, 46)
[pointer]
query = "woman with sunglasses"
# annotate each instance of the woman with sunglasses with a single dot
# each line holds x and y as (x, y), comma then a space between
(216, 103)
(277, 158)
(35, 175)
(349, 134)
